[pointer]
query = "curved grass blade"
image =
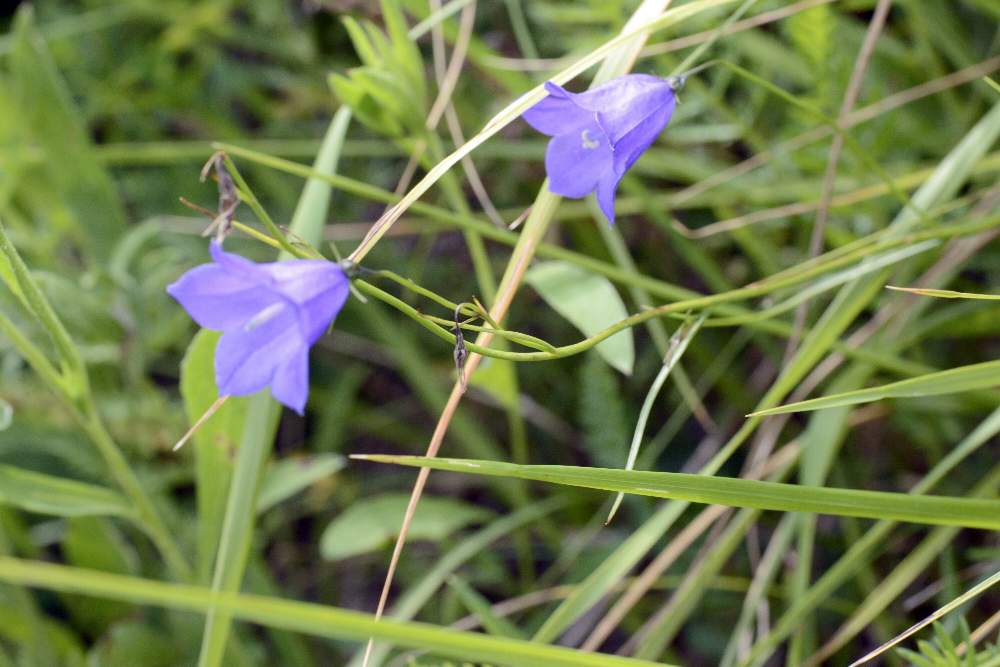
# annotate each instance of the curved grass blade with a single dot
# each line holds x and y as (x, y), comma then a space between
(304, 617)
(734, 492)
(951, 381)
(678, 345)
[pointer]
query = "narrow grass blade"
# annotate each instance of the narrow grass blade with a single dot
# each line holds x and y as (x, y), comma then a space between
(734, 492)
(307, 618)
(951, 381)
(945, 293)
(480, 606)
(975, 591)
(678, 345)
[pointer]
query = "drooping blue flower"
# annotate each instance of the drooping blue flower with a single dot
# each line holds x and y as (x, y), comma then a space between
(269, 314)
(599, 134)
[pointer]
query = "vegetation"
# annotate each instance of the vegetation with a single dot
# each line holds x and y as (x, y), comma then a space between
(806, 459)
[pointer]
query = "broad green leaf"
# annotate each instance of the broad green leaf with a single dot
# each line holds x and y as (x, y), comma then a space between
(951, 381)
(370, 523)
(735, 492)
(290, 476)
(45, 494)
(214, 442)
(590, 302)
(308, 618)
(496, 377)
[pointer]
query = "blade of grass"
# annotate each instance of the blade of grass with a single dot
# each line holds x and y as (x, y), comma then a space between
(678, 345)
(953, 380)
(734, 492)
(973, 592)
(945, 293)
(838, 573)
(307, 618)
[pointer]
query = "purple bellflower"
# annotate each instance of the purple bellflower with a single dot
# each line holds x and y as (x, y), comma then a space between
(599, 134)
(269, 314)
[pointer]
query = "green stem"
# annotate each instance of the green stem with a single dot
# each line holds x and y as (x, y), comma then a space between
(247, 195)
(39, 306)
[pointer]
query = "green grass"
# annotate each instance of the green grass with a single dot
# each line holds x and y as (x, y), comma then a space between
(806, 457)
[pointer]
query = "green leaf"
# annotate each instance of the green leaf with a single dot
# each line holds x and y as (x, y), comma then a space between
(734, 492)
(290, 476)
(945, 293)
(308, 618)
(496, 377)
(214, 442)
(371, 523)
(45, 494)
(951, 381)
(590, 302)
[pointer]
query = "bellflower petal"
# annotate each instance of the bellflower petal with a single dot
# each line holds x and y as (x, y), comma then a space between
(599, 134)
(270, 315)
(247, 356)
(557, 112)
(632, 145)
(291, 381)
(606, 194)
(576, 160)
(313, 285)
(216, 299)
(626, 101)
